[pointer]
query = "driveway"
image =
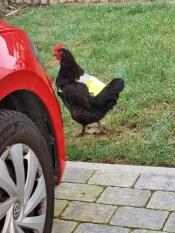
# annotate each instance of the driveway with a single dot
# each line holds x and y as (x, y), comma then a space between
(103, 198)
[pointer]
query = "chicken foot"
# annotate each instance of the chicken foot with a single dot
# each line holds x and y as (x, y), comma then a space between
(103, 130)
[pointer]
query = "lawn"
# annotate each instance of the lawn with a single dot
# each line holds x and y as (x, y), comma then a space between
(135, 41)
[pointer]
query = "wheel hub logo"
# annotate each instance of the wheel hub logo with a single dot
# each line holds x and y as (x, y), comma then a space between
(16, 210)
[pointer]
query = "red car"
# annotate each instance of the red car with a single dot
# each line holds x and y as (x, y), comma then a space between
(32, 151)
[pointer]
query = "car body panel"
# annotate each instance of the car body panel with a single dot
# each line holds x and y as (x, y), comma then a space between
(21, 70)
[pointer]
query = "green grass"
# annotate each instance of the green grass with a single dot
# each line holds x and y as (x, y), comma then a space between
(136, 41)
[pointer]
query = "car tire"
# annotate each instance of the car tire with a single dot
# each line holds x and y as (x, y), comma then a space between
(26, 176)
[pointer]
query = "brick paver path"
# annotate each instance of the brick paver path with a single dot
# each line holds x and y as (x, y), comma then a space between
(97, 198)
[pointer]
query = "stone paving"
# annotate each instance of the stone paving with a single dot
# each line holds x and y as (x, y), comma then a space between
(97, 198)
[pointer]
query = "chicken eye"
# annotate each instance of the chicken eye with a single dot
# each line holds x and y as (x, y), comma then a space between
(60, 52)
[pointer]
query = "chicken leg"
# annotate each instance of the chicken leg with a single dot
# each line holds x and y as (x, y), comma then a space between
(83, 132)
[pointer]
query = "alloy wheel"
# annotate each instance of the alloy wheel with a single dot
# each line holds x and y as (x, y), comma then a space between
(22, 191)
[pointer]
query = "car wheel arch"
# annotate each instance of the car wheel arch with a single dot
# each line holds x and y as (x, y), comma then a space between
(28, 103)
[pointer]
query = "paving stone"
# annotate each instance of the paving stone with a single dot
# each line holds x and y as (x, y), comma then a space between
(77, 175)
(170, 224)
(162, 200)
(80, 192)
(88, 212)
(156, 182)
(53, 1)
(61, 226)
(59, 207)
(124, 196)
(96, 228)
(43, 1)
(146, 231)
(113, 179)
(139, 218)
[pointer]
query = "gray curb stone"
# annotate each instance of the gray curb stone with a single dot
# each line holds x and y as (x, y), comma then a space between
(156, 182)
(96, 228)
(77, 175)
(170, 224)
(88, 212)
(146, 231)
(59, 207)
(121, 168)
(139, 218)
(61, 226)
(162, 200)
(113, 179)
(80, 192)
(124, 197)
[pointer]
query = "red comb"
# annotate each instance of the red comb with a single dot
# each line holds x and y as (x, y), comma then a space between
(58, 46)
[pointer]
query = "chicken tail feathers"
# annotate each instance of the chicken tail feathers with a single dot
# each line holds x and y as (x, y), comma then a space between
(113, 88)
(107, 98)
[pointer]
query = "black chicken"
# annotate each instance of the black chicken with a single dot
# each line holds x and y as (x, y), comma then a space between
(84, 108)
